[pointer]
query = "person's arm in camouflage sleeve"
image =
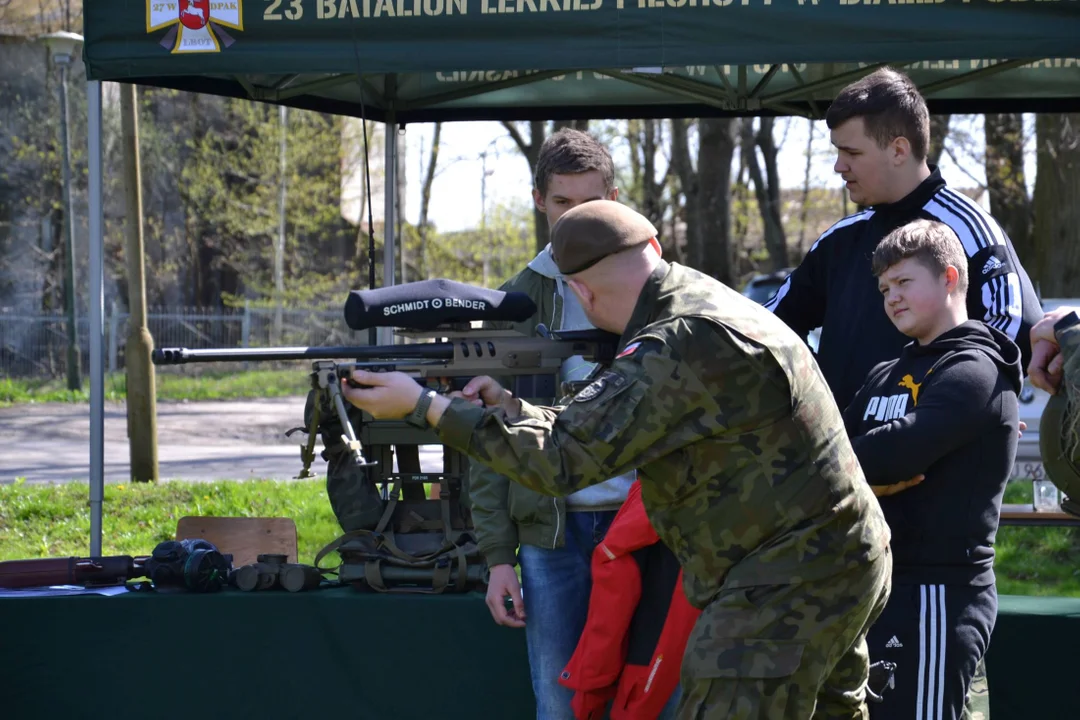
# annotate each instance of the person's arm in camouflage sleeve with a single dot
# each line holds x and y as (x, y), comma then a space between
(496, 534)
(645, 406)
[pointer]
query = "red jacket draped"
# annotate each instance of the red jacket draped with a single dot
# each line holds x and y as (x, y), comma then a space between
(638, 623)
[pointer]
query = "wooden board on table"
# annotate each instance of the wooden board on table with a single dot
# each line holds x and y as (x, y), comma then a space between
(245, 538)
(1026, 513)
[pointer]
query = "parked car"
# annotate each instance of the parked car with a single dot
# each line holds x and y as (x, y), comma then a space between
(761, 288)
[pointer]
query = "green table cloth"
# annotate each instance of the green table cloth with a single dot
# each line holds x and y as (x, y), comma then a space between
(341, 653)
(328, 653)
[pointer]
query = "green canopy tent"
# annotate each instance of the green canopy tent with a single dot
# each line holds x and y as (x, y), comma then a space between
(406, 61)
(429, 60)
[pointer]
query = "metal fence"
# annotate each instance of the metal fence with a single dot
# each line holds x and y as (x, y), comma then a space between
(35, 345)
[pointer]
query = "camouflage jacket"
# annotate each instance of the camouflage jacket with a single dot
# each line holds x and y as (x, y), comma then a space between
(746, 470)
(506, 514)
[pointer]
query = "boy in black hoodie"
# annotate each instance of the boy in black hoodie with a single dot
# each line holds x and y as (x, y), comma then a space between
(936, 433)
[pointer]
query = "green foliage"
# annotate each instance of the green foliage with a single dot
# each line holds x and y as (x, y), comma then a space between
(233, 179)
(488, 255)
(31, 198)
(54, 520)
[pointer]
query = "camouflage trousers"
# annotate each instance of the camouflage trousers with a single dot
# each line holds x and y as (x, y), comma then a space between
(977, 705)
(785, 652)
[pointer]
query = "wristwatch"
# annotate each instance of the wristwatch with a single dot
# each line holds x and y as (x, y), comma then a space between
(418, 417)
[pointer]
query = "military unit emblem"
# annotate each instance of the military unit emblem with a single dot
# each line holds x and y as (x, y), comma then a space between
(195, 26)
(591, 391)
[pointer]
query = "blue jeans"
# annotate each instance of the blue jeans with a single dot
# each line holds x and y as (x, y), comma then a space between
(556, 584)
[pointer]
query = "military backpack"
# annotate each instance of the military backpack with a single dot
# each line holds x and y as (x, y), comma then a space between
(395, 538)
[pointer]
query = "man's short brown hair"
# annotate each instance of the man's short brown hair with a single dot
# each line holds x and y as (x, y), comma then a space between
(569, 152)
(932, 244)
(890, 106)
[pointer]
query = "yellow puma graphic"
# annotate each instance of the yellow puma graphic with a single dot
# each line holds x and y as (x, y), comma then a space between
(909, 382)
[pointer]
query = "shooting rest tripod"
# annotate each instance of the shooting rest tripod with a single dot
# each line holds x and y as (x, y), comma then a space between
(382, 439)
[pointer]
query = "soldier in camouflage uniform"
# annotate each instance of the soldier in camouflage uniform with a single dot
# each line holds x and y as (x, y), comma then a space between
(746, 471)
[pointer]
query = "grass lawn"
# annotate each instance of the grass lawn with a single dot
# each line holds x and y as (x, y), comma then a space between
(191, 384)
(1034, 560)
(54, 520)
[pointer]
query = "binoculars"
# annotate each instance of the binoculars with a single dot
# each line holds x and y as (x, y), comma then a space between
(274, 571)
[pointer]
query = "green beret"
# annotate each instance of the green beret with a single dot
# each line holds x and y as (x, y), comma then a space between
(590, 232)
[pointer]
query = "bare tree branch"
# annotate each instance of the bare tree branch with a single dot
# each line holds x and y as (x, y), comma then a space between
(425, 202)
(517, 137)
(949, 151)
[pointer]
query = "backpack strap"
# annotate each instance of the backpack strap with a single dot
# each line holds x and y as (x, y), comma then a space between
(391, 503)
(373, 576)
(463, 568)
(386, 543)
(408, 461)
(334, 545)
(444, 507)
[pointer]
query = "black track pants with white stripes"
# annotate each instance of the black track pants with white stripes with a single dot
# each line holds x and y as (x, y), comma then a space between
(936, 635)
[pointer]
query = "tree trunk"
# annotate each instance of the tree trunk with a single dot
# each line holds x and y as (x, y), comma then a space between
(767, 187)
(939, 131)
(425, 200)
(582, 125)
(646, 191)
(637, 172)
(716, 149)
(531, 151)
(804, 210)
(652, 205)
(1057, 213)
(1006, 182)
(688, 182)
(740, 208)
(399, 203)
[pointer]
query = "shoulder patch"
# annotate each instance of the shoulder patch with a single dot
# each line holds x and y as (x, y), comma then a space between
(643, 344)
(591, 391)
(607, 380)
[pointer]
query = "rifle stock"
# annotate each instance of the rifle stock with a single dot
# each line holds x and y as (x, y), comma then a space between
(96, 571)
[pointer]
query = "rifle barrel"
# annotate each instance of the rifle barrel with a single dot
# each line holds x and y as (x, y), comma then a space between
(389, 353)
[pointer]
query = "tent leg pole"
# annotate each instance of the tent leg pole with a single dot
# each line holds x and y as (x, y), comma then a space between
(389, 212)
(97, 314)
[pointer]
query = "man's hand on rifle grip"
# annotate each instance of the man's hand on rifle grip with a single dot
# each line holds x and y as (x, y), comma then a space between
(385, 395)
(485, 390)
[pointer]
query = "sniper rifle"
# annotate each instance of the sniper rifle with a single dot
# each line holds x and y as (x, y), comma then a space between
(438, 315)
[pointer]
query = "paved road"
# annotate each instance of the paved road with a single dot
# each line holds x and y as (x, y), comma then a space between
(212, 440)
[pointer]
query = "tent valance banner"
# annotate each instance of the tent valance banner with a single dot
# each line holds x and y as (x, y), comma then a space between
(432, 60)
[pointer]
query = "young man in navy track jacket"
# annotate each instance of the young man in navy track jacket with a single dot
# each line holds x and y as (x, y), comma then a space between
(881, 129)
(945, 411)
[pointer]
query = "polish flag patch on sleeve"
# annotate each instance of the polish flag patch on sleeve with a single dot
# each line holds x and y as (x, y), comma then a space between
(628, 350)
